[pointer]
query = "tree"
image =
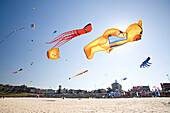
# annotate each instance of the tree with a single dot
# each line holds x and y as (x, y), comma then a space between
(109, 90)
(99, 91)
(59, 90)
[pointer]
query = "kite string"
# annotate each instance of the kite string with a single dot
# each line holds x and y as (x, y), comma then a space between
(10, 34)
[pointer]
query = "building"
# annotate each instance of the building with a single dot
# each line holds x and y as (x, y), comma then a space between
(116, 86)
(140, 88)
(50, 91)
(73, 91)
(165, 89)
(64, 90)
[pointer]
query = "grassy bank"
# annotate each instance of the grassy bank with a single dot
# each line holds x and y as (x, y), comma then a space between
(14, 94)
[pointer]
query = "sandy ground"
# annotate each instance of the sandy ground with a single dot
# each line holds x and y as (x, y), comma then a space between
(53, 105)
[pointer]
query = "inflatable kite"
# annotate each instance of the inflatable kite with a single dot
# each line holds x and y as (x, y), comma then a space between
(145, 63)
(113, 38)
(37, 96)
(64, 38)
(17, 71)
(11, 34)
(78, 74)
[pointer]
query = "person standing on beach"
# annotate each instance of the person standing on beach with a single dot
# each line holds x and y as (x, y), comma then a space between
(137, 94)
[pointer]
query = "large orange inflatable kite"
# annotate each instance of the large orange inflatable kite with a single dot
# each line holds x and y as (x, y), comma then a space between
(113, 38)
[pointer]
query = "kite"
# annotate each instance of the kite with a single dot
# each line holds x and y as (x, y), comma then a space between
(32, 63)
(154, 87)
(113, 38)
(124, 78)
(54, 32)
(78, 74)
(17, 71)
(29, 83)
(111, 94)
(53, 53)
(145, 63)
(11, 34)
(159, 89)
(156, 93)
(37, 96)
(33, 8)
(64, 38)
(33, 26)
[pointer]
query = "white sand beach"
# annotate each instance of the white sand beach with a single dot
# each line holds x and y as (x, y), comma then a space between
(57, 105)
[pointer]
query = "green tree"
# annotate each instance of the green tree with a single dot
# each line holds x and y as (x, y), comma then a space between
(99, 91)
(109, 90)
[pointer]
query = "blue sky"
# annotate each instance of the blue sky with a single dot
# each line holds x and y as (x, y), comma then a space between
(17, 51)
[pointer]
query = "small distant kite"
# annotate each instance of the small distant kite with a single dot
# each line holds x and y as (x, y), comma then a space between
(33, 8)
(64, 38)
(154, 87)
(29, 83)
(17, 71)
(32, 63)
(11, 34)
(145, 63)
(124, 78)
(33, 26)
(78, 74)
(54, 32)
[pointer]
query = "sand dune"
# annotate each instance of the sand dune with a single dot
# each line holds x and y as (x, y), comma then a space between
(57, 105)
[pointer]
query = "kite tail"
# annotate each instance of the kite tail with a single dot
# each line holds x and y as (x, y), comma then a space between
(63, 41)
(69, 35)
(62, 36)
